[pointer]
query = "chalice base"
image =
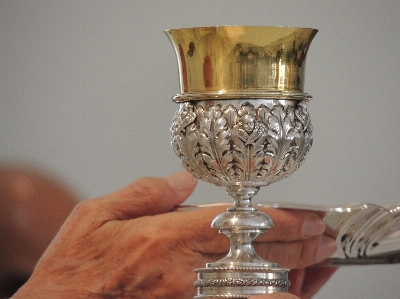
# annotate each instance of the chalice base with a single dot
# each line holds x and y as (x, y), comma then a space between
(243, 123)
(241, 273)
(240, 280)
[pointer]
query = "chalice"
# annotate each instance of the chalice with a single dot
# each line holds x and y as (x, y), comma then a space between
(242, 123)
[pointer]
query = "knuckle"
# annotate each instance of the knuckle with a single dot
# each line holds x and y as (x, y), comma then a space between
(84, 208)
(145, 188)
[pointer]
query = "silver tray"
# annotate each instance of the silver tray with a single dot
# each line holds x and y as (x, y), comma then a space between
(365, 233)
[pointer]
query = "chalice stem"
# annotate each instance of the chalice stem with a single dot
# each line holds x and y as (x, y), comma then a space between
(242, 246)
(242, 123)
(242, 196)
(242, 224)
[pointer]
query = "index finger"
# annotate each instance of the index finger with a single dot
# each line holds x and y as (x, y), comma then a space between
(145, 196)
(290, 225)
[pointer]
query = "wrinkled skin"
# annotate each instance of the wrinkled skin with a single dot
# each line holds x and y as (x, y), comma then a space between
(130, 244)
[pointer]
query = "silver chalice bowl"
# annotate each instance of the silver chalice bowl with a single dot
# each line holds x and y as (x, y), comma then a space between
(242, 123)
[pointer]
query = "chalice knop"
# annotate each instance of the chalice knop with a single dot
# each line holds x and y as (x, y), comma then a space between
(242, 123)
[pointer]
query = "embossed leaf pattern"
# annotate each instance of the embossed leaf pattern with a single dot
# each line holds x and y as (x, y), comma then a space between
(219, 155)
(214, 144)
(227, 160)
(231, 115)
(205, 156)
(280, 139)
(222, 147)
(204, 134)
(181, 149)
(185, 146)
(303, 137)
(210, 127)
(258, 167)
(264, 113)
(238, 158)
(247, 109)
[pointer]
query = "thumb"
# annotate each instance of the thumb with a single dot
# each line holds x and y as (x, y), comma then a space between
(145, 196)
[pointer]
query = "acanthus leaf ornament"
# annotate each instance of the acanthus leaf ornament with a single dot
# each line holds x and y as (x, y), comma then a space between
(242, 123)
(225, 144)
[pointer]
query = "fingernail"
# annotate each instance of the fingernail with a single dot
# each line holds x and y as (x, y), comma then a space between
(181, 182)
(327, 247)
(313, 226)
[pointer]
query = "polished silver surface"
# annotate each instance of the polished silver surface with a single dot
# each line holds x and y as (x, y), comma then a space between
(242, 142)
(242, 123)
(365, 233)
(242, 145)
(240, 282)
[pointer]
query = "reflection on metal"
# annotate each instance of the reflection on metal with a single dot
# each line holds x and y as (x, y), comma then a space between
(242, 123)
(365, 233)
(241, 61)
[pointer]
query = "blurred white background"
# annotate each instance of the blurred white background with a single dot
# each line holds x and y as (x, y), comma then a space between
(86, 88)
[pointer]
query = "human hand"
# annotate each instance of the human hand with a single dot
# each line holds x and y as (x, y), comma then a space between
(308, 272)
(129, 245)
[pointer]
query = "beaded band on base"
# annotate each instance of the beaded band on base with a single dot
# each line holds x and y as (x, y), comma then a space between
(240, 282)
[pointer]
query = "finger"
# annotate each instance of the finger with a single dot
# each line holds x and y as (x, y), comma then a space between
(298, 254)
(145, 196)
(290, 225)
(198, 234)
